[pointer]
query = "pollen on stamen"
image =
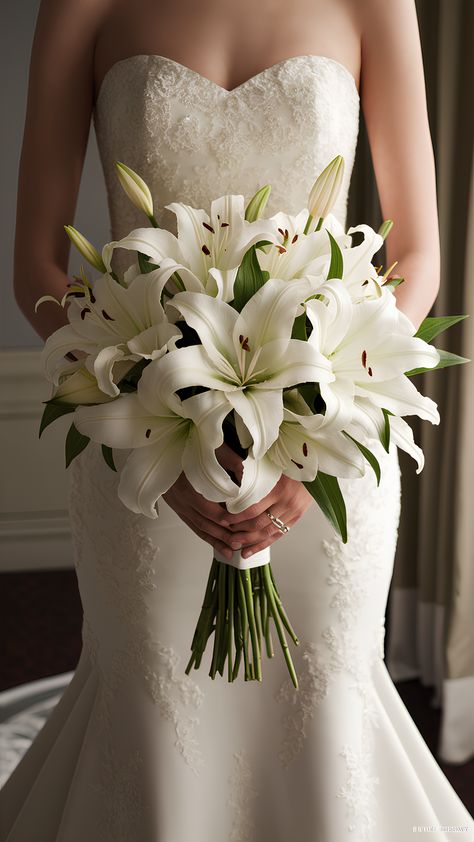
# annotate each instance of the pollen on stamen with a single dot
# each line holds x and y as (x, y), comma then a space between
(294, 239)
(364, 284)
(92, 297)
(281, 249)
(297, 465)
(209, 227)
(148, 433)
(369, 371)
(305, 449)
(281, 231)
(106, 316)
(224, 224)
(286, 233)
(84, 311)
(364, 358)
(205, 249)
(244, 342)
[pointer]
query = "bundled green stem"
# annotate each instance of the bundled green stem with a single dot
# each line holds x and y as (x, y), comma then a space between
(237, 607)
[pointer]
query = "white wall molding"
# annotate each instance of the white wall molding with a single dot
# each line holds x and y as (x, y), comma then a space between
(34, 521)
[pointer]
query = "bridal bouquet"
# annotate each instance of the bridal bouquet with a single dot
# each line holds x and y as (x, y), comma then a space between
(275, 335)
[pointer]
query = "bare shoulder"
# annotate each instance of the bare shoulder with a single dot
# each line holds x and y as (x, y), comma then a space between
(68, 29)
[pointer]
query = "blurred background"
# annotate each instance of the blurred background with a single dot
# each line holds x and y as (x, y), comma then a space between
(430, 632)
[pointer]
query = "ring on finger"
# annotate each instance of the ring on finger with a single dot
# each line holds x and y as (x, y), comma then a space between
(278, 523)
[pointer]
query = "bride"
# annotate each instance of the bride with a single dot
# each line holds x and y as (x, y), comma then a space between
(205, 99)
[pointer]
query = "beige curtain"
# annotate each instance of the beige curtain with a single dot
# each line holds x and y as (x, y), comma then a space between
(431, 603)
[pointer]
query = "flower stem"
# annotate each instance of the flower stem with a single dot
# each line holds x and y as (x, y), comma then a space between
(230, 627)
(244, 625)
(276, 619)
(256, 659)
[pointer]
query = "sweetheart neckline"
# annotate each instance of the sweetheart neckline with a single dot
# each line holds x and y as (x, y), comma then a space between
(226, 91)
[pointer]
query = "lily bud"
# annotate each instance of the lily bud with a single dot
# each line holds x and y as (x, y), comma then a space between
(80, 388)
(385, 228)
(326, 188)
(88, 251)
(258, 203)
(136, 189)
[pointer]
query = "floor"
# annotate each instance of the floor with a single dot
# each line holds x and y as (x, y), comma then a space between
(40, 627)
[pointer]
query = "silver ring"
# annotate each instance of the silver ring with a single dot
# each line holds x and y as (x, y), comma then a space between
(278, 523)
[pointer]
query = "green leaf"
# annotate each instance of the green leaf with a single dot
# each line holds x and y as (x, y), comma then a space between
(432, 326)
(337, 264)
(249, 279)
(385, 435)
(299, 328)
(108, 455)
(54, 409)
(75, 443)
(371, 459)
(393, 282)
(144, 263)
(309, 392)
(325, 490)
(446, 359)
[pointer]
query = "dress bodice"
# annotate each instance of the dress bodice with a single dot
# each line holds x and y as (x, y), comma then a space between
(192, 140)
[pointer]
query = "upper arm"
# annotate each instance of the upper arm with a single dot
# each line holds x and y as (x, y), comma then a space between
(393, 98)
(58, 114)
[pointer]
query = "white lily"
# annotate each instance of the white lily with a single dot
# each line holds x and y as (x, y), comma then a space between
(359, 274)
(293, 253)
(249, 356)
(114, 325)
(166, 437)
(209, 247)
(369, 347)
(305, 445)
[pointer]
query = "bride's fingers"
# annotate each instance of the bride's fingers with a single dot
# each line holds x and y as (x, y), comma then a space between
(275, 534)
(215, 530)
(214, 542)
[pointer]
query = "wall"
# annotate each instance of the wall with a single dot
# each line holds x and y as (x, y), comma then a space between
(34, 526)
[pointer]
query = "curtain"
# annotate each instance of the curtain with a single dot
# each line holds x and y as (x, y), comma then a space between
(431, 601)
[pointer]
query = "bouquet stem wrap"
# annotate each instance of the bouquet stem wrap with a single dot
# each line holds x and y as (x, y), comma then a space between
(241, 597)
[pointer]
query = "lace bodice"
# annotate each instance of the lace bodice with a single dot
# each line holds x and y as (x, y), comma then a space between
(192, 140)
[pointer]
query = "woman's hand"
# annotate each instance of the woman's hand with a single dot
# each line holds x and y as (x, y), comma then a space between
(207, 519)
(251, 529)
(288, 500)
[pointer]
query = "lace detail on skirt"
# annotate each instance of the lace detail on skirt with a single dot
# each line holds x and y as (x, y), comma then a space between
(243, 792)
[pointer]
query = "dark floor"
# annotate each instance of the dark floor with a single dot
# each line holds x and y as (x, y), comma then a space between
(40, 630)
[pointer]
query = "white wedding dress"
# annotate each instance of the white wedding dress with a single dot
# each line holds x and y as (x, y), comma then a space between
(136, 751)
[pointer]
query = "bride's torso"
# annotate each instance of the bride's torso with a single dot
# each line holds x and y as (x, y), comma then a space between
(194, 132)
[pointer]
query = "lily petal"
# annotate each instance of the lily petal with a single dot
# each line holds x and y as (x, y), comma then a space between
(402, 435)
(149, 472)
(176, 370)
(156, 243)
(289, 362)
(259, 478)
(401, 397)
(213, 320)
(270, 313)
(200, 464)
(57, 345)
(104, 367)
(125, 422)
(262, 413)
